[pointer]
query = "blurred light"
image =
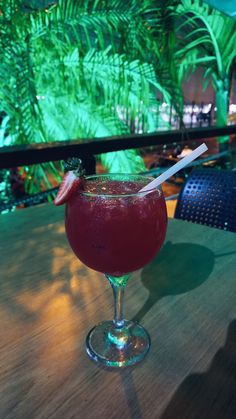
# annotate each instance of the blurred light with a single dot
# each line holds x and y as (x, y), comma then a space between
(232, 108)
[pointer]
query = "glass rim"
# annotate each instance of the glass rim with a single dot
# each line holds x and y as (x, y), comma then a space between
(123, 195)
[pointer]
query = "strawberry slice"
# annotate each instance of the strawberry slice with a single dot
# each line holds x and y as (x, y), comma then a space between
(68, 187)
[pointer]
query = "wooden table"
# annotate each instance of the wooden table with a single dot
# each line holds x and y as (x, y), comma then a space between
(186, 298)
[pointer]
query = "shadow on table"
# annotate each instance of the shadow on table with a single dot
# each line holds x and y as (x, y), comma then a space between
(211, 395)
(178, 268)
(134, 407)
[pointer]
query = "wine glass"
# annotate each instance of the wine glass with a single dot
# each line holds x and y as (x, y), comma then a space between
(115, 229)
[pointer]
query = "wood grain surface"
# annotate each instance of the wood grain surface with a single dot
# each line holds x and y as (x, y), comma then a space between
(186, 298)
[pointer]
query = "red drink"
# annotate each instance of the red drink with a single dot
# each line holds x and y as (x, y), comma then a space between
(111, 228)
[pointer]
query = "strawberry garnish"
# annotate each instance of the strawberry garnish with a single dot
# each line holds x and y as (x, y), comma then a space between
(70, 184)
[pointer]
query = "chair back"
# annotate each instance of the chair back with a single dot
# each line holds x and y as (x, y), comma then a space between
(209, 197)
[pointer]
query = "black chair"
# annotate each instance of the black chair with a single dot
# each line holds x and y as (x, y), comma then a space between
(209, 197)
(205, 116)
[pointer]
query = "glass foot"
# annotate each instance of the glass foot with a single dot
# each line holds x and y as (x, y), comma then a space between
(117, 347)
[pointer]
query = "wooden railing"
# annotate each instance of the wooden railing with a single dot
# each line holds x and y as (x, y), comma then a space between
(16, 156)
(86, 149)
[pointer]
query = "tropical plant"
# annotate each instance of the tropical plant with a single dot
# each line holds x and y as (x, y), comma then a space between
(81, 69)
(207, 38)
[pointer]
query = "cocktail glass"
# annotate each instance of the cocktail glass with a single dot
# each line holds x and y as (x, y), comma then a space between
(115, 229)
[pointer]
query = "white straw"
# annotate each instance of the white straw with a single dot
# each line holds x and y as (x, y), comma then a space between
(174, 169)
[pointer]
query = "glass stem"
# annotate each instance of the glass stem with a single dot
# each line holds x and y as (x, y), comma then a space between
(118, 292)
(118, 285)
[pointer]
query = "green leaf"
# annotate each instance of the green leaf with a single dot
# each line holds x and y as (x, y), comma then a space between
(125, 161)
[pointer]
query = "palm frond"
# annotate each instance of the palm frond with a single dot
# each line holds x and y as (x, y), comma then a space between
(219, 33)
(83, 69)
(125, 161)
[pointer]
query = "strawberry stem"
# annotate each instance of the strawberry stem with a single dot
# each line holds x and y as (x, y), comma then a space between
(74, 164)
